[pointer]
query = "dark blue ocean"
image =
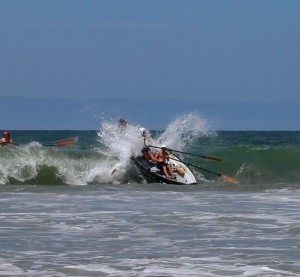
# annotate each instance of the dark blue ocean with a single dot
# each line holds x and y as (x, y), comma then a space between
(66, 211)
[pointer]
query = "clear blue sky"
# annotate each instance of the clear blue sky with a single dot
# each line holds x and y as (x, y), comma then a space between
(219, 53)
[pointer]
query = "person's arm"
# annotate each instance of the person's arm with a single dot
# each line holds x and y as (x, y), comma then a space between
(159, 156)
(151, 156)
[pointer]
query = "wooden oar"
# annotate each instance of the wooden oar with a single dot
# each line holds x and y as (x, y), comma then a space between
(191, 154)
(227, 178)
(62, 142)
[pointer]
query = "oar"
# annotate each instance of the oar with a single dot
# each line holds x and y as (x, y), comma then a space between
(62, 142)
(191, 154)
(229, 179)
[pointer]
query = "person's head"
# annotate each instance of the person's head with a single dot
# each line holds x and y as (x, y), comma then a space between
(163, 148)
(143, 131)
(6, 134)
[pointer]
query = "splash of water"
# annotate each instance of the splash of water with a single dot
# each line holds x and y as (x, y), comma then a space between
(110, 162)
(184, 130)
(248, 174)
(122, 143)
(119, 144)
(21, 164)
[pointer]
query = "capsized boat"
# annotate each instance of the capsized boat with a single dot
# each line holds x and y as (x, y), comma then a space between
(182, 173)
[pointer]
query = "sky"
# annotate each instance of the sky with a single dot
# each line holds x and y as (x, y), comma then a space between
(234, 62)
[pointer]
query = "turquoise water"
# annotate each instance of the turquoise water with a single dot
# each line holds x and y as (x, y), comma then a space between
(63, 212)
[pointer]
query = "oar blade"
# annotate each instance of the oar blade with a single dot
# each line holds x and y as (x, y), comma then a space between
(212, 158)
(66, 142)
(62, 142)
(229, 179)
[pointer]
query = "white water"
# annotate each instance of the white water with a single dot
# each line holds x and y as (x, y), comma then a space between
(83, 164)
(148, 230)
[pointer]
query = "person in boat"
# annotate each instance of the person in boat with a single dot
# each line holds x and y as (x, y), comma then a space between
(148, 155)
(146, 137)
(162, 159)
(6, 138)
(143, 134)
(122, 123)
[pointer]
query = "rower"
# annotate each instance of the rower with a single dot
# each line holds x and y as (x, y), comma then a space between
(162, 159)
(148, 155)
(6, 138)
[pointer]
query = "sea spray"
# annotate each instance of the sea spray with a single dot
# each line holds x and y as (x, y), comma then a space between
(34, 164)
(105, 161)
(20, 163)
(184, 130)
(118, 144)
(257, 159)
(121, 142)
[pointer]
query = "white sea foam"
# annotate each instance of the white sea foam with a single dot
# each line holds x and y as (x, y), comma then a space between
(110, 162)
(9, 269)
(148, 231)
(184, 130)
(122, 143)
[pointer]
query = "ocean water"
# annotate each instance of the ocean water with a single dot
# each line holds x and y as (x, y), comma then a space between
(66, 211)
